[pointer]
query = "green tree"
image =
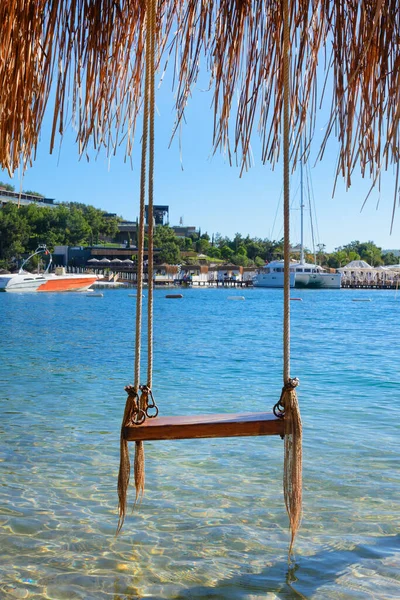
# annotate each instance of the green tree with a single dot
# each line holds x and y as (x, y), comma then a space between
(168, 244)
(78, 229)
(338, 259)
(368, 251)
(226, 252)
(7, 186)
(390, 259)
(214, 252)
(202, 246)
(239, 259)
(237, 241)
(14, 234)
(32, 193)
(169, 253)
(259, 262)
(254, 248)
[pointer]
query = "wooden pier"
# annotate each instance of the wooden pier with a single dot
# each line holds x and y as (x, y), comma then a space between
(370, 286)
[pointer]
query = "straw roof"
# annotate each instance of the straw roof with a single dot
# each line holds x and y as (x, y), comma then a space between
(83, 61)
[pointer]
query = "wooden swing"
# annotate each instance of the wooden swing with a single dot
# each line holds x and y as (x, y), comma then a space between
(205, 426)
(141, 421)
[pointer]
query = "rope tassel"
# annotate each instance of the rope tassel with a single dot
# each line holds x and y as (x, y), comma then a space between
(136, 411)
(288, 409)
(139, 462)
(139, 470)
(293, 459)
(131, 408)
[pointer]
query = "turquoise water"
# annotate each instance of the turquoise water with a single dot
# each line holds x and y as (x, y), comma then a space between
(212, 523)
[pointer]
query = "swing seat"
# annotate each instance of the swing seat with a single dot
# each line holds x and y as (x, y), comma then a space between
(205, 426)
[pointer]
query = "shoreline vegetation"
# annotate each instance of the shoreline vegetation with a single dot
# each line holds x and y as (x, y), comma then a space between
(23, 228)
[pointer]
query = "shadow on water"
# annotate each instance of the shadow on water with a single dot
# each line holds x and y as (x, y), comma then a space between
(252, 584)
(309, 573)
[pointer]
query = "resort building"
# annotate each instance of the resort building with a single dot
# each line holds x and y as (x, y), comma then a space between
(127, 231)
(359, 272)
(23, 199)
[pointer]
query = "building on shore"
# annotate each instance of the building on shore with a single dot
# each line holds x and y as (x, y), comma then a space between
(360, 273)
(93, 256)
(23, 199)
(128, 230)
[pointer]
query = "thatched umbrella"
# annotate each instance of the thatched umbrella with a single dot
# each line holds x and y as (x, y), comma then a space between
(91, 53)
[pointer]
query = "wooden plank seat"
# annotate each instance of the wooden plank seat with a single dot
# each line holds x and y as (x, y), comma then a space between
(205, 426)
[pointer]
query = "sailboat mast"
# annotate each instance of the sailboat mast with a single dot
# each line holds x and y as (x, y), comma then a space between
(301, 207)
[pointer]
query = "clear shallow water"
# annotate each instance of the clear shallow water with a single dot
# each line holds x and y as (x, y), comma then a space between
(212, 523)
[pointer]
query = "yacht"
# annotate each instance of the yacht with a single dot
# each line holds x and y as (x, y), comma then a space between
(271, 275)
(313, 276)
(302, 274)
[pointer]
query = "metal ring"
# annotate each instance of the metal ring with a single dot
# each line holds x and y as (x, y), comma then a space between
(153, 407)
(279, 410)
(151, 403)
(139, 417)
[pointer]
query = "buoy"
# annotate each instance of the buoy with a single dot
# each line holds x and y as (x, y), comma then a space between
(298, 299)
(361, 299)
(174, 296)
(94, 295)
(236, 298)
(134, 295)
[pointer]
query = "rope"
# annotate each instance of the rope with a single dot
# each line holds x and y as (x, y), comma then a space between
(288, 407)
(136, 408)
(152, 61)
(286, 196)
(142, 210)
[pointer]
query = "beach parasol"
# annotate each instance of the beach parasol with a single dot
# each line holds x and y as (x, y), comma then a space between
(93, 260)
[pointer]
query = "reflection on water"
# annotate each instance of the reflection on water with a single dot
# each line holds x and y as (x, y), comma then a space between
(212, 523)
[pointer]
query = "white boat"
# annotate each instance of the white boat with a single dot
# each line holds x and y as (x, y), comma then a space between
(60, 281)
(271, 275)
(311, 275)
(302, 274)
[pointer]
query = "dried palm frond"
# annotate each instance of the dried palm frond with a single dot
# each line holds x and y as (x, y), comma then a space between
(85, 57)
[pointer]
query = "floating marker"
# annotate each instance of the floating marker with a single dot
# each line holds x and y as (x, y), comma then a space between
(361, 299)
(94, 295)
(174, 296)
(236, 298)
(298, 299)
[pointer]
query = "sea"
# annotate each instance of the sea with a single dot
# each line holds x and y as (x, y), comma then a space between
(212, 523)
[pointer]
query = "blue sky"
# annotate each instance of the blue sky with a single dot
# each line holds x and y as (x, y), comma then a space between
(206, 191)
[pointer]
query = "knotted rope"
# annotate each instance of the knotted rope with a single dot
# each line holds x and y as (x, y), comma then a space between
(137, 407)
(288, 404)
